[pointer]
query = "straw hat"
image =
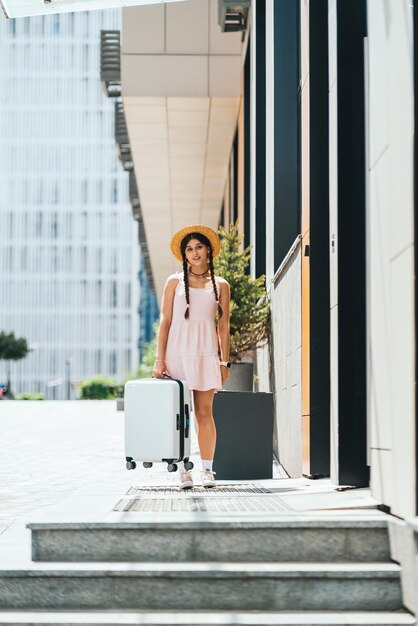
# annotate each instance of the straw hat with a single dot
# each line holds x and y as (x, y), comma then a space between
(178, 237)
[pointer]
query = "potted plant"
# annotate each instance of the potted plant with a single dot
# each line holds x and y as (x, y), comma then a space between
(250, 307)
(237, 409)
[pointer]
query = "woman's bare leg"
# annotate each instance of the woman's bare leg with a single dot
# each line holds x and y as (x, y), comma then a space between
(206, 432)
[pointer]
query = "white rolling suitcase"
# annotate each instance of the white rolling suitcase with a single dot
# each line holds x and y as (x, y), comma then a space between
(157, 422)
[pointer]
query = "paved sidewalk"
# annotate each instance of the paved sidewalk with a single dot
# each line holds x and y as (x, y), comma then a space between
(65, 461)
(48, 450)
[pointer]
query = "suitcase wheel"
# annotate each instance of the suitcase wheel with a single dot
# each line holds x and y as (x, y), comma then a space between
(147, 464)
(130, 465)
(188, 465)
(172, 467)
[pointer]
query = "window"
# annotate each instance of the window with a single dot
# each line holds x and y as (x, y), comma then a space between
(11, 225)
(128, 295)
(54, 225)
(112, 362)
(98, 299)
(99, 260)
(84, 225)
(69, 225)
(98, 361)
(55, 262)
(115, 191)
(39, 224)
(84, 259)
(113, 294)
(114, 262)
(23, 259)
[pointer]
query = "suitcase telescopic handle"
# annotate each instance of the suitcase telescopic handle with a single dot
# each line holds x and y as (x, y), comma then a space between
(186, 431)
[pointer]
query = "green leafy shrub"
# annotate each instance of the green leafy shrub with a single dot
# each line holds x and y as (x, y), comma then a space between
(100, 388)
(30, 395)
(250, 307)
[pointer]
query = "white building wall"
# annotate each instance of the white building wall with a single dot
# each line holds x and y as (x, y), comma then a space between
(390, 255)
(333, 225)
(287, 354)
(68, 243)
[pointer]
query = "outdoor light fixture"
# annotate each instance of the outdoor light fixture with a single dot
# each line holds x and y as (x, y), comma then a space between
(27, 8)
(232, 15)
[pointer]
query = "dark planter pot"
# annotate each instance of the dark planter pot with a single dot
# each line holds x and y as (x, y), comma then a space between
(241, 376)
(244, 424)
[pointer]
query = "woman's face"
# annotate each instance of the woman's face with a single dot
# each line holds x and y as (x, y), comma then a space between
(197, 254)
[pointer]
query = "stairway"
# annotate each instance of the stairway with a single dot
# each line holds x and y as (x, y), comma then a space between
(291, 569)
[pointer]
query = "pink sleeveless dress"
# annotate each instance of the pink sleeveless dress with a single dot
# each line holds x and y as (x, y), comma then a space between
(192, 345)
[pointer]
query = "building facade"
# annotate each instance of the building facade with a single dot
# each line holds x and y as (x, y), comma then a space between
(321, 172)
(69, 247)
(330, 201)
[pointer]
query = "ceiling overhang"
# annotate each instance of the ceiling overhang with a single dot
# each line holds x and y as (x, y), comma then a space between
(181, 88)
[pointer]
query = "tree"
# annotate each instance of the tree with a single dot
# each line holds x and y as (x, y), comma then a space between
(12, 349)
(250, 307)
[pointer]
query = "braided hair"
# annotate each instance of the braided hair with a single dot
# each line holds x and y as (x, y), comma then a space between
(183, 246)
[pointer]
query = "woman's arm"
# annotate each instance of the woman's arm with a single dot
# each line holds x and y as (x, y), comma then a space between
(165, 323)
(223, 325)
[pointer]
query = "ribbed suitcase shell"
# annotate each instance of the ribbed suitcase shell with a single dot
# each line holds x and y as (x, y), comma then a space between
(155, 421)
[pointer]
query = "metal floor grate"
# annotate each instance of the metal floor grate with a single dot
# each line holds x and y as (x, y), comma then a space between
(192, 503)
(175, 491)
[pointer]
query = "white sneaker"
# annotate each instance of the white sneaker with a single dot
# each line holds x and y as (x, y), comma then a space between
(208, 478)
(186, 479)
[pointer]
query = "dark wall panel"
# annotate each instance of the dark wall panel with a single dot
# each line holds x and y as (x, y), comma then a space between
(319, 238)
(260, 139)
(286, 127)
(351, 29)
(247, 145)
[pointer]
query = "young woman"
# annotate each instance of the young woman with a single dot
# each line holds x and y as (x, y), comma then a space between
(188, 343)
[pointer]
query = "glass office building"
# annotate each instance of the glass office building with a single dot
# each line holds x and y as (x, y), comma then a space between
(69, 247)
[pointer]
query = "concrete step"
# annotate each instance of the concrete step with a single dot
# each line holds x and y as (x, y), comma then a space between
(290, 539)
(207, 619)
(204, 586)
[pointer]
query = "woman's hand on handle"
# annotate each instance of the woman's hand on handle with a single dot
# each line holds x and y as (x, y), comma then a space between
(159, 369)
